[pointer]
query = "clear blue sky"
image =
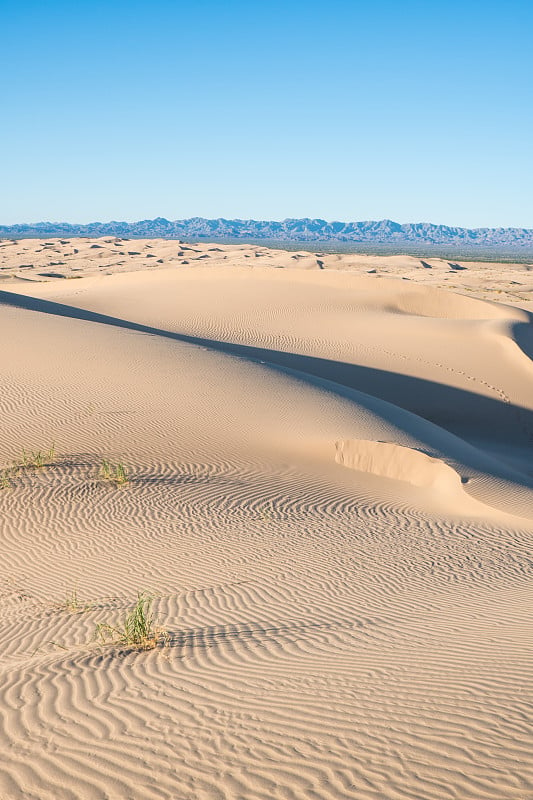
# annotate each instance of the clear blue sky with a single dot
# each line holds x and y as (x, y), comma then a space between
(414, 111)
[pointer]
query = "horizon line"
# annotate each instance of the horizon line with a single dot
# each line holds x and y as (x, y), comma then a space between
(264, 220)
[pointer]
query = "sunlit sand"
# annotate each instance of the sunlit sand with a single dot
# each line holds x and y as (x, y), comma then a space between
(329, 495)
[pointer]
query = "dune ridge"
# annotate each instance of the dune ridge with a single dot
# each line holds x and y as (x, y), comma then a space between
(331, 499)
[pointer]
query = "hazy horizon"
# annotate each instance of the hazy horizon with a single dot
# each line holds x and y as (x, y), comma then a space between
(133, 220)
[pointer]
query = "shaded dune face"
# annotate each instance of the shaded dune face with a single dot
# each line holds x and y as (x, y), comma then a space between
(330, 496)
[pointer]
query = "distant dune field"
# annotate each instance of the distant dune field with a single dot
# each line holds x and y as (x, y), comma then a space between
(330, 498)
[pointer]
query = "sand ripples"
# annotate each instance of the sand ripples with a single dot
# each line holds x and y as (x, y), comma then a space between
(279, 681)
(332, 633)
(272, 706)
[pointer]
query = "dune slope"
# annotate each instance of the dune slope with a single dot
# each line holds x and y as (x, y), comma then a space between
(330, 498)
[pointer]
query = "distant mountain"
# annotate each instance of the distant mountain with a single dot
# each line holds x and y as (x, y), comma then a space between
(384, 232)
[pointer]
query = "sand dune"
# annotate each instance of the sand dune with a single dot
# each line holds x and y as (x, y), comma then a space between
(330, 496)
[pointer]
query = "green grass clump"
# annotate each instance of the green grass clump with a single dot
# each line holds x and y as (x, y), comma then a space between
(138, 631)
(37, 459)
(30, 459)
(115, 473)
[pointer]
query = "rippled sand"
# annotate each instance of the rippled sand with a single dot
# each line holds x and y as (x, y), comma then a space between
(330, 497)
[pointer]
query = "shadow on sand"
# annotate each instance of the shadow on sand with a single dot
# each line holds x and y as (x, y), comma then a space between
(473, 417)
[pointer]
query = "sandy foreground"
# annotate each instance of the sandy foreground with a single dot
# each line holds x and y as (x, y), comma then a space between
(330, 497)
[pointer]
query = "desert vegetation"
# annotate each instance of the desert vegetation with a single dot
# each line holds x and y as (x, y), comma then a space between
(36, 459)
(28, 460)
(5, 478)
(114, 473)
(138, 631)
(73, 604)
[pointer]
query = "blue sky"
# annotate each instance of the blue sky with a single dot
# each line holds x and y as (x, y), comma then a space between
(414, 111)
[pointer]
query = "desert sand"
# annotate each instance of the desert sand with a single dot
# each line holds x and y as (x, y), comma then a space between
(330, 498)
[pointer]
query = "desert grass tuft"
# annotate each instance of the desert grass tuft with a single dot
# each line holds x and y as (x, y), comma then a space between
(36, 459)
(73, 604)
(138, 631)
(30, 459)
(115, 473)
(6, 476)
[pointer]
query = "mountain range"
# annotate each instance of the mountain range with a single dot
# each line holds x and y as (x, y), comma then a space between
(379, 233)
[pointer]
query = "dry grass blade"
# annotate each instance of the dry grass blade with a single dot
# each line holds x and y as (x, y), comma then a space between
(73, 605)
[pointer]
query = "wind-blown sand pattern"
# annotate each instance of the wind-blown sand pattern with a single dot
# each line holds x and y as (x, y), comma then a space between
(331, 498)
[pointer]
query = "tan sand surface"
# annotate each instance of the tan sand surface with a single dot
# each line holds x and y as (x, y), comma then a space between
(330, 497)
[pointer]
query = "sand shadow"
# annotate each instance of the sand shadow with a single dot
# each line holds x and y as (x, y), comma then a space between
(473, 417)
(523, 336)
(456, 267)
